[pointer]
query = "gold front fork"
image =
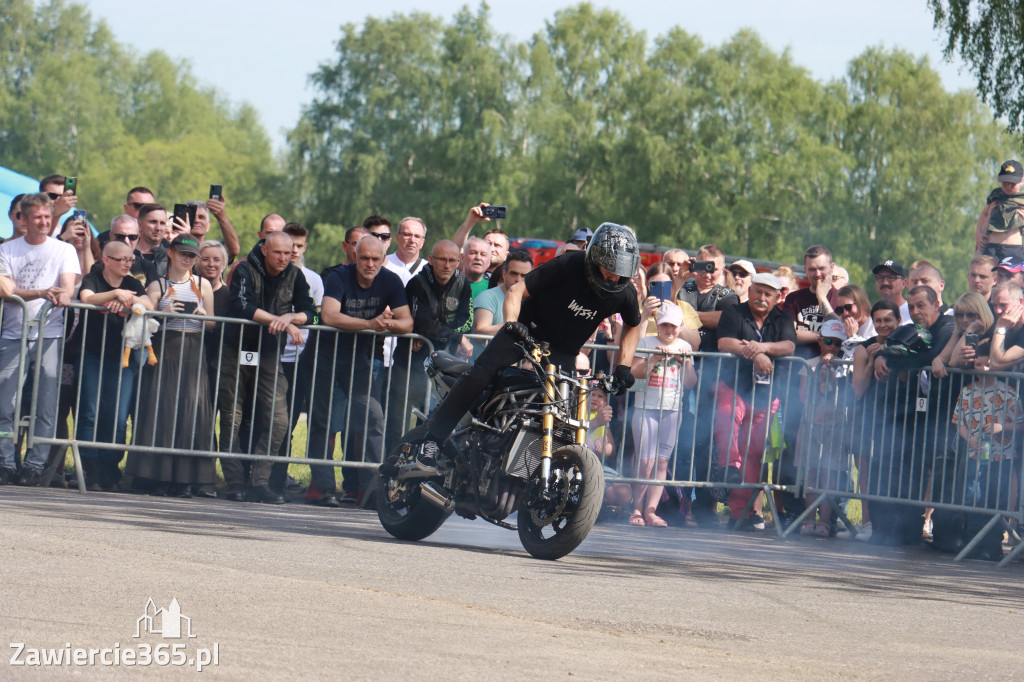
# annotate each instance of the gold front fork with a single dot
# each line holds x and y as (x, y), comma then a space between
(547, 422)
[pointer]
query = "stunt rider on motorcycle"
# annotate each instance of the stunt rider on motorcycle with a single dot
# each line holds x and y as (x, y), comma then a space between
(561, 302)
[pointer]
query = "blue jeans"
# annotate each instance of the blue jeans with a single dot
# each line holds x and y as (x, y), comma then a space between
(103, 410)
(47, 392)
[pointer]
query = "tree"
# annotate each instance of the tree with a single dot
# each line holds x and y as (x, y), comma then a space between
(988, 36)
(74, 101)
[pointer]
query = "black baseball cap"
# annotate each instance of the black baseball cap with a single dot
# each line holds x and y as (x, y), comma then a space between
(1011, 171)
(890, 264)
(186, 243)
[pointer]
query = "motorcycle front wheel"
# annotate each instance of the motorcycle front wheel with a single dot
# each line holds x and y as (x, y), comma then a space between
(402, 511)
(555, 521)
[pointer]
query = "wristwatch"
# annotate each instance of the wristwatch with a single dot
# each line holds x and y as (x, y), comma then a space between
(1000, 330)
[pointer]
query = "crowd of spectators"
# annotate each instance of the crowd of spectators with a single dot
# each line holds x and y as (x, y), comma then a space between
(858, 396)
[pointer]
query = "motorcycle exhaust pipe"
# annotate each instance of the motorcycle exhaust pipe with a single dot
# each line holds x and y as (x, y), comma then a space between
(434, 495)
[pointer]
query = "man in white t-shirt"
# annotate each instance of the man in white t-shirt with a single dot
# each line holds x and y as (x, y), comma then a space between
(44, 270)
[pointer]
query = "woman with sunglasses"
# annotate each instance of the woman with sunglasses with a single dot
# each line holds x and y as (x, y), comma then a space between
(174, 408)
(853, 309)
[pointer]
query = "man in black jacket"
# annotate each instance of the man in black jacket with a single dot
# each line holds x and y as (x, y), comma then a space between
(439, 298)
(265, 288)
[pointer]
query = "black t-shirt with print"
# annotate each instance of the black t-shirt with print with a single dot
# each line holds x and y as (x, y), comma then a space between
(563, 310)
(95, 343)
(737, 322)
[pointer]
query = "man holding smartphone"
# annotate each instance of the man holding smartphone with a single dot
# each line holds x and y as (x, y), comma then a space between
(64, 199)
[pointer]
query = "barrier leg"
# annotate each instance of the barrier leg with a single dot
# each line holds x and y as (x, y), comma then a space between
(809, 511)
(775, 512)
(79, 473)
(977, 538)
(1010, 557)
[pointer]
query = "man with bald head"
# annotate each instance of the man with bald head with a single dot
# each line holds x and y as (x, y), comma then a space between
(360, 299)
(107, 387)
(927, 275)
(439, 298)
(266, 288)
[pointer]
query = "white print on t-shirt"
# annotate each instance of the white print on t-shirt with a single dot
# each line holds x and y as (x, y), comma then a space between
(810, 318)
(579, 311)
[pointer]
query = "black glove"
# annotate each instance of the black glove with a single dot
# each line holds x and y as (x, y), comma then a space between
(518, 331)
(623, 379)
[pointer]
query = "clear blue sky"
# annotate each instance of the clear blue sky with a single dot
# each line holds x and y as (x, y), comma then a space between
(262, 52)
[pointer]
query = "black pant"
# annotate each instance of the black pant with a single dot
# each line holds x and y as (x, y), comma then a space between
(499, 353)
(1001, 251)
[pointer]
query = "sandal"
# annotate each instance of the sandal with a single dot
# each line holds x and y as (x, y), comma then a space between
(652, 519)
(636, 518)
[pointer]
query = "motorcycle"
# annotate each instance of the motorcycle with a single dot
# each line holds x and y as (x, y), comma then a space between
(520, 449)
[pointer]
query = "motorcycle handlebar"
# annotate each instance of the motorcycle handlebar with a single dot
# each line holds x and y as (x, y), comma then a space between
(519, 332)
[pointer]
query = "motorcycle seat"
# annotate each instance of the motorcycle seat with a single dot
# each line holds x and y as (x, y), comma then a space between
(446, 363)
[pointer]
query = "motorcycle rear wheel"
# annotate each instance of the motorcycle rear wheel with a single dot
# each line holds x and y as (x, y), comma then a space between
(402, 511)
(554, 523)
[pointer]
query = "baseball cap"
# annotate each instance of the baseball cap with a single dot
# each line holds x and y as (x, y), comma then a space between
(1010, 264)
(767, 279)
(744, 265)
(670, 313)
(582, 235)
(890, 264)
(833, 329)
(1011, 171)
(186, 243)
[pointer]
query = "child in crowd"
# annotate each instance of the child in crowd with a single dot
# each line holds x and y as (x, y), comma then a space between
(656, 417)
(987, 413)
(1000, 225)
(602, 442)
(823, 440)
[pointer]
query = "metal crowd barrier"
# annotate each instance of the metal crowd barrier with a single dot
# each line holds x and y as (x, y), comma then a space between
(27, 333)
(897, 445)
(198, 374)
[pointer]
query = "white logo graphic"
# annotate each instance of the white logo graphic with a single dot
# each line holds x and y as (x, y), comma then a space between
(580, 311)
(170, 621)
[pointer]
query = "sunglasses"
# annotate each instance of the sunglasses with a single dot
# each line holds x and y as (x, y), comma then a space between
(846, 308)
(129, 237)
(53, 196)
(828, 341)
(137, 204)
(127, 260)
(965, 315)
(383, 236)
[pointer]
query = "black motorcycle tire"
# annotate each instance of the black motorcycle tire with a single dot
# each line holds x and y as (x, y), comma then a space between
(566, 533)
(419, 518)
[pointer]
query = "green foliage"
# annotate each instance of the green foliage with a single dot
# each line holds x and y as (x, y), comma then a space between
(589, 121)
(74, 101)
(988, 36)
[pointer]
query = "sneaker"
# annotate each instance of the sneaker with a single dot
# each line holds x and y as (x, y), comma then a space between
(864, 532)
(30, 477)
(8, 476)
(426, 457)
(815, 529)
(926, 530)
(757, 522)
(349, 498)
(328, 500)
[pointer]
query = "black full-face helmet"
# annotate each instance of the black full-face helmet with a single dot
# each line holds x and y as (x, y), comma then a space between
(908, 339)
(614, 248)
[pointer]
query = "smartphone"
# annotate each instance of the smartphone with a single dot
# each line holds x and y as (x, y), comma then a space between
(186, 212)
(662, 290)
(71, 184)
(707, 266)
(79, 214)
(189, 307)
(217, 192)
(496, 212)
(971, 339)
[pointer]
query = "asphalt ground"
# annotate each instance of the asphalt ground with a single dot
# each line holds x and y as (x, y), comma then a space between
(299, 592)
